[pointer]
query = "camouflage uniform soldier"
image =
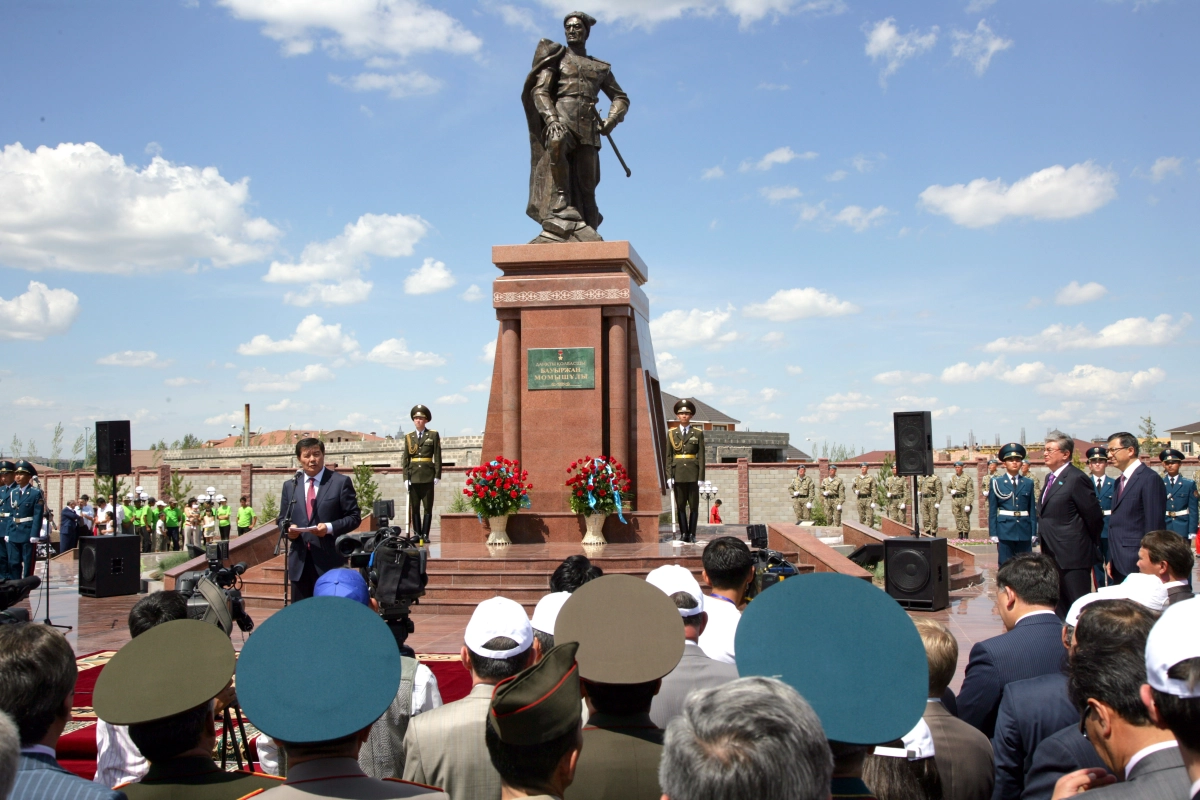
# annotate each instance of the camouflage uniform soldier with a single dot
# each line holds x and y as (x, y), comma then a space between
(993, 464)
(898, 496)
(864, 492)
(930, 489)
(834, 492)
(804, 493)
(1037, 482)
(962, 498)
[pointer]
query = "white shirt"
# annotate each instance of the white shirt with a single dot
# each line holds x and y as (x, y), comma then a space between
(1032, 614)
(1132, 468)
(723, 619)
(315, 482)
(1145, 751)
(1053, 476)
(88, 513)
(117, 758)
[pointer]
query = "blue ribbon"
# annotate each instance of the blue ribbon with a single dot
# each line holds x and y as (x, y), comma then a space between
(612, 484)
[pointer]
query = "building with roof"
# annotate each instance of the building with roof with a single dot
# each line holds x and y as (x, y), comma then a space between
(290, 437)
(724, 444)
(1186, 439)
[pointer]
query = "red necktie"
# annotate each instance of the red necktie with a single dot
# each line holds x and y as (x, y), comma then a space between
(311, 499)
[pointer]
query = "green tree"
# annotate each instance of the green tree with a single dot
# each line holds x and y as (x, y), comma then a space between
(1150, 444)
(89, 458)
(77, 448)
(104, 488)
(270, 509)
(31, 449)
(17, 446)
(881, 498)
(189, 442)
(56, 445)
(366, 488)
(177, 490)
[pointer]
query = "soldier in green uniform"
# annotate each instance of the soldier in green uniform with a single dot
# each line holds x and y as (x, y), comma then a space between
(962, 499)
(6, 484)
(804, 492)
(422, 462)
(1033, 476)
(630, 635)
(898, 496)
(685, 468)
(930, 489)
(833, 490)
(864, 492)
(171, 722)
(993, 465)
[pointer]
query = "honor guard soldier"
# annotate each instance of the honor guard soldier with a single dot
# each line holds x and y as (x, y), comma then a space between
(352, 665)
(1181, 495)
(929, 487)
(630, 635)
(171, 723)
(6, 486)
(962, 498)
(833, 491)
(685, 468)
(27, 505)
(804, 492)
(898, 496)
(422, 462)
(864, 493)
(1012, 510)
(993, 464)
(1097, 463)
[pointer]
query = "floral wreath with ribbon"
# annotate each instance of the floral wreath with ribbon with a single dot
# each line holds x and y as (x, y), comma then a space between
(598, 486)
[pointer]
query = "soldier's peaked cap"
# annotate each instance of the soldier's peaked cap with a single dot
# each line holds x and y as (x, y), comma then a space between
(141, 682)
(1095, 453)
(684, 407)
(1170, 454)
(541, 703)
(1012, 450)
(7, 466)
(26, 467)
(833, 467)
(420, 411)
(958, 463)
(835, 624)
(587, 19)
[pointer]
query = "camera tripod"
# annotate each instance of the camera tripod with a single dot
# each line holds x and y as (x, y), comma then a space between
(43, 549)
(226, 736)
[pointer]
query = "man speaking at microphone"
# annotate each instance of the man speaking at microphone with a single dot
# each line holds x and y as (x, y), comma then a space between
(317, 506)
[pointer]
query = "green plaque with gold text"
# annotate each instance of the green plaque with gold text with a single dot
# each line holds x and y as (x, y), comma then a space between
(562, 368)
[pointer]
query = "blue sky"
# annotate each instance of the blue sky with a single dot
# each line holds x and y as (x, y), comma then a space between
(986, 209)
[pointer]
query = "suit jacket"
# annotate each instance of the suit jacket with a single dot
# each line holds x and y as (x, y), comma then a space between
(446, 747)
(1070, 521)
(963, 755)
(619, 759)
(1032, 648)
(39, 777)
(1016, 496)
(1058, 754)
(1181, 504)
(1139, 508)
(694, 671)
(1160, 774)
(1030, 711)
(1177, 594)
(337, 506)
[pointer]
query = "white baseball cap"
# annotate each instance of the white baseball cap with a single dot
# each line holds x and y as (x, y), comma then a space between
(918, 744)
(160, 503)
(143, 496)
(220, 498)
(547, 610)
(1145, 590)
(494, 617)
(139, 490)
(672, 578)
(129, 496)
(1173, 639)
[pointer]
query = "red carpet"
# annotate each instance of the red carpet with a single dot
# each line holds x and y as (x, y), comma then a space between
(77, 746)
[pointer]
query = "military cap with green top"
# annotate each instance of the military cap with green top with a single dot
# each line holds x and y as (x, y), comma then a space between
(1170, 454)
(345, 657)
(541, 703)
(846, 646)
(684, 407)
(628, 631)
(26, 467)
(420, 411)
(1097, 454)
(7, 466)
(141, 682)
(1012, 450)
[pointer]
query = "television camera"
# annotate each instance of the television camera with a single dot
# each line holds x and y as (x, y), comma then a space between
(213, 595)
(770, 566)
(13, 592)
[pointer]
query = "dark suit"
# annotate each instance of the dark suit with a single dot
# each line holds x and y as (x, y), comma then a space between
(1031, 710)
(69, 524)
(1060, 753)
(694, 671)
(1138, 508)
(1032, 648)
(311, 556)
(1159, 774)
(963, 755)
(1070, 522)
(1177, 594)
(39, 777)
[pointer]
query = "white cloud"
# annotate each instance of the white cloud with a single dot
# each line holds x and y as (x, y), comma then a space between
(396, 84)
(355, 419)
(979, 6)
(489, 352)
(134, 358)
(1161, 168)
(75, 207)
(333, 268)
(452, 400)
(712, 173)
(834, 405)
(863, 164)
(32, 402)
(859, 218)
(312, 336)
(978, 46)
(775, 338)
(780, 155)
(282, 405)
(515, 16)
(836, 175)
(472, 294)
(912, 401)
(1074, 294)
(183, 381)
(1091, 382)
(1053, 193)
(948, 411)
(788, 305)
(669, 366)
(792, 369)
(38, 313)
(432, 276)
(766, 86)
(962, 372)
(648, 14)
(777, 194)
(692, 387)
(1129, 332)
(261, 380)
(884, 41)
(1023, 374)
(900, 377)
(482, 386)
(680, 328)
(395, 353)
(224, 419)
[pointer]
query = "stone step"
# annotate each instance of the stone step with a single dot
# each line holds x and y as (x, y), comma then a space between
(964, 579)
(530, 579)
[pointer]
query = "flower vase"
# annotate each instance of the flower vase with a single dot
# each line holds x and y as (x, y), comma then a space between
(595, 529)
(498, 534)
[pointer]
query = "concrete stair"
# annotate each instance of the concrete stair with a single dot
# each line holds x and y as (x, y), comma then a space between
(961, 577)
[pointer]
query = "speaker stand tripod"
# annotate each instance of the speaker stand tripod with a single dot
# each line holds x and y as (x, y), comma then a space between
(916, 507)
(44, 550)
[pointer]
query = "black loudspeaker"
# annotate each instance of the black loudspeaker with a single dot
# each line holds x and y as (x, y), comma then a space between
(109, 565)
(914, 442)
(112, 448)
(917, 572)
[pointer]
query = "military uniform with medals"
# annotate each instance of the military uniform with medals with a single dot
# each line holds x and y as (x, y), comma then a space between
(803, 490)
(27, 506)
(685, 469)
(1181, 513)
(833, 491)
(422, 463)
(1105, 489)
(6, 487)
(1012, 510)
(864, 493)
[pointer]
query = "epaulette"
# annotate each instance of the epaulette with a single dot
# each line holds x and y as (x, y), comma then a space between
(259, 775)
(255, 793)
(414, 783)
(598, 61)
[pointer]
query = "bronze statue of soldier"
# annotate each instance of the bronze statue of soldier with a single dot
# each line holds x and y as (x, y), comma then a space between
(560, 98)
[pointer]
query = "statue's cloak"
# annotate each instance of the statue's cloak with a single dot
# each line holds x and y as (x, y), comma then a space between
(541, 184)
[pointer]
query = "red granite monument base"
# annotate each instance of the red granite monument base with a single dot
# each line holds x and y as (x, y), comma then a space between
(545, 527)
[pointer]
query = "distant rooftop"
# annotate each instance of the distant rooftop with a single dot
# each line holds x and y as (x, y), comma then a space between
(293, 436)
(1187, 429)
(704, 412)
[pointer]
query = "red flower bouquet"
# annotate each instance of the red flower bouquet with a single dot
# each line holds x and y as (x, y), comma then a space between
(598, 486)
(498, 488)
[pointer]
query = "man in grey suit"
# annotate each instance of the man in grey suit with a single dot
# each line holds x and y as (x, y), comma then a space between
(695, 670)
(446, 747)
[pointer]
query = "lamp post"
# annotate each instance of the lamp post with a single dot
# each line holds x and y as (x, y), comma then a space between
(708, 492)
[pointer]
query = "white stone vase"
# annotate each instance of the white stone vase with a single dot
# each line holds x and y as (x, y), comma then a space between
(498, 526)
(595, 529)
